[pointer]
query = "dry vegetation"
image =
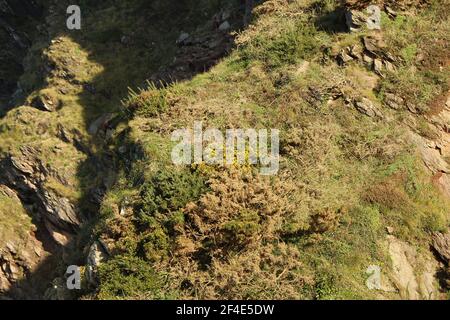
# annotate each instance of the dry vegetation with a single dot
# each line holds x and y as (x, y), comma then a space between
(226, 232)
(311, 231)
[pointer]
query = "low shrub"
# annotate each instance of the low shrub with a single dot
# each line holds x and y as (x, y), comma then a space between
(128, 277)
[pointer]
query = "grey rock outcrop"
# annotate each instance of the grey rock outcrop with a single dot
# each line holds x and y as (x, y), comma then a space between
(20, 251)
(367, 107)
(370, 18)
(441, 243)
(372, 52)
(97, 255)
(411, 283)
(393, 101)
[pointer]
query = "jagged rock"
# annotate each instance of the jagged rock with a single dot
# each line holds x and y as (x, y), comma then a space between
(101, 123)
(344, 57)
(372, 52)
(371, 18)
(44, 104)
(18, 257)
(441, 243)
(390, 12)
(393, 101)
(431, 156)
(373, 45)
(182, 38)
(378, 66)
(366, 107)
(356, 51)
(375, 48)
(97, 255)
(355, 20)
(27, 174)
(368, 59)
(58, 209)
(225, 26)
(389, 66)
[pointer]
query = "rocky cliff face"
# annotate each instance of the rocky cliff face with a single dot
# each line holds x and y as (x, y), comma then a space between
(27, 174)
(34, 220)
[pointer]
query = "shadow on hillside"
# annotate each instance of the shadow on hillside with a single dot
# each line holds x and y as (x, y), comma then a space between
(17, 25)
(329, 21)
(131, 47)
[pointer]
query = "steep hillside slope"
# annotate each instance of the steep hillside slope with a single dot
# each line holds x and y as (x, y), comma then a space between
(351, 191)
(55, 153)
(87, 176)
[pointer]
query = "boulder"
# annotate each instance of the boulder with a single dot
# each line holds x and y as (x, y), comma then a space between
(374, 17)
(370, 17)
(378, 66)
(393, 101)
(225, 26)
(356, 51)
(184, 36)
(344, 57)
(367, 107)
(44, 104)
(374, 45)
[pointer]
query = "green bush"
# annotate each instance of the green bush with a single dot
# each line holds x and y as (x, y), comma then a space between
(155, 245)
(239, 230)
(163, 197)
(126, 277)
(148, 102)
(169, 191)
